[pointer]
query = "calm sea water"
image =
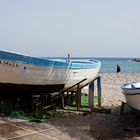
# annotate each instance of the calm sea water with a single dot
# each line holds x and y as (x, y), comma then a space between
(109, 65)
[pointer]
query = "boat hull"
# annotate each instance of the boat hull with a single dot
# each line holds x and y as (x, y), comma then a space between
(33, 79)
(131, 92)
(42, 79)
(19, 73)
(76, 76)
(133, 100)
(33, 75)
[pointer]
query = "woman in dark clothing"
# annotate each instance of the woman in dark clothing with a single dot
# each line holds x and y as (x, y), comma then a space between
(118, 69)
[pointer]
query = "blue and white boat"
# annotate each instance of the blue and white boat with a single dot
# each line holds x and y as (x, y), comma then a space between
(22, 73)
(131, 92)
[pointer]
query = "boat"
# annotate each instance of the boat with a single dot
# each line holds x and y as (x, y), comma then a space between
(131, 91)
(135, 59)
(27, 74)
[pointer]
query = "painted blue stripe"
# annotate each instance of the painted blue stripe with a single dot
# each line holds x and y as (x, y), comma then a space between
(85, 64)
(48, 62)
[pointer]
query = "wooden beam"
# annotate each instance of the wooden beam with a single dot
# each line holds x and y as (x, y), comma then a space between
(70, 88)
(99, 90)
(62, 99)
(91, 95)
(78, 97)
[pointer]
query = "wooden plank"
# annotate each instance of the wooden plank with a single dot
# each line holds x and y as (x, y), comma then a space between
(99, 90)
(69, 88)
(78, 97)
(91, 94)
(62, 99)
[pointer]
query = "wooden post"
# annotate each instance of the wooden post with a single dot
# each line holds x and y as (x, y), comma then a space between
(91, 94)
(99, 90)
(68, 57)
(62, 98)
(122, 108)
(43, 98)
(67, 99)
(78, 97)
(71, 98)
(35, 102)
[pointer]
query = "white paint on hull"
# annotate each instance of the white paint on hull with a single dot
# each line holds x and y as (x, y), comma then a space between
(131, 92)
(41, 75)
(133, 101)
(76, 75)
(33, 75)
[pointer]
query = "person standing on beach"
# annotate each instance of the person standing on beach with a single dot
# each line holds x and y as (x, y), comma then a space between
(118, 69)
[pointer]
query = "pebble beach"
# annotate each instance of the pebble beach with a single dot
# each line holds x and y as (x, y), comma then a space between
(94, 126)
(87, 125)
(111, 87)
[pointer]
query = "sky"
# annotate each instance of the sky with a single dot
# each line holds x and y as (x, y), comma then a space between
(83, 28)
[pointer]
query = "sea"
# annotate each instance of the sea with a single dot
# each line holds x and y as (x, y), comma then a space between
(108, 65)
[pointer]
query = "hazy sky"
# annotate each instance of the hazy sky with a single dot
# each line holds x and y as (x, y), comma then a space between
(95, 28)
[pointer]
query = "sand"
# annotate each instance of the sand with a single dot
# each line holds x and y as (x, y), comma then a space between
(103, 126)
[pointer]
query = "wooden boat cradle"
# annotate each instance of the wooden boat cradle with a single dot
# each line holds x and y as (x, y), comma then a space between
(75, 89)
(39, 101)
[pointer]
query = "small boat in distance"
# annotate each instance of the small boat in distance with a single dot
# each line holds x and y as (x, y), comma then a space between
(135, 60)
(131, 91)
(20, 73)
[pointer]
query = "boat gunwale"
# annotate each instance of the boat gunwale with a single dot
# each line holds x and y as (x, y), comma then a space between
(55, 63)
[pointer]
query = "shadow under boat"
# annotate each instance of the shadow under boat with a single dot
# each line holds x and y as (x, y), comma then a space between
(29, 89)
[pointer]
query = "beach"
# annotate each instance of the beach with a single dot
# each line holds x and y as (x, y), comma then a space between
(111, 87)
(93, 125)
